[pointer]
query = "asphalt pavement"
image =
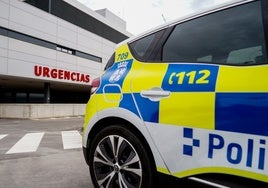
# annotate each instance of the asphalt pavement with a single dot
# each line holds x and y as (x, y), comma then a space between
(47, 153)
(50, 154)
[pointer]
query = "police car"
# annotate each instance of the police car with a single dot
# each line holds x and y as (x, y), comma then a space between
(188, 99)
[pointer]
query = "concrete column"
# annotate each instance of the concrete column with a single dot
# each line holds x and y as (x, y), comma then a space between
(47, 92)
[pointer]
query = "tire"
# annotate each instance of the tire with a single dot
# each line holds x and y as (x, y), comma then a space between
(118, 158)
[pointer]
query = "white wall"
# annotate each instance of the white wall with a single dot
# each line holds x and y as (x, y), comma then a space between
(33, 111)
(17, 58)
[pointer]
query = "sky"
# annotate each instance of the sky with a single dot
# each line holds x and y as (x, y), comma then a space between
(141, 15)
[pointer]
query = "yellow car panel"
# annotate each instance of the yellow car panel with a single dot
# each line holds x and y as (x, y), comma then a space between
(191, 109)
(250, 79)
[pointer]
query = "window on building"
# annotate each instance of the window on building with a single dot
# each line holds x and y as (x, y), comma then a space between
(41, 4)
(65, 50)
(21, 97)
(88, 56)
(234, 36)
(47, 44)
(69, 13)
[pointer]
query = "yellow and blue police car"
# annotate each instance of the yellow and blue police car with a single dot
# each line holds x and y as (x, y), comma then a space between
(188, 99)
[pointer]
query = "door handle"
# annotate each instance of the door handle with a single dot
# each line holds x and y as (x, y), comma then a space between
(155, 94)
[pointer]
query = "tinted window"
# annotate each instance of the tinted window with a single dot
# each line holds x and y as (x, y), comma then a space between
(148, 48)
(232, 36)
(110, 62)
(141, 46)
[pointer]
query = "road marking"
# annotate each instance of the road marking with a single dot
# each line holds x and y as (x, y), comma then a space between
(2, 136)
(71, 139)
(28, 143)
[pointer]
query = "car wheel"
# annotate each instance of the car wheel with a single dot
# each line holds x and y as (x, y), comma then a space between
(118, 158)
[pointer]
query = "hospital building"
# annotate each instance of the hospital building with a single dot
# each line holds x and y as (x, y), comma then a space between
(50, 50)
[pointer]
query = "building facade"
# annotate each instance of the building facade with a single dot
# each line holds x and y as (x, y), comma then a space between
(50, 50)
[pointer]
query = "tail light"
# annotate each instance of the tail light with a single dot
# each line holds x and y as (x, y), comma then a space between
(95, 85)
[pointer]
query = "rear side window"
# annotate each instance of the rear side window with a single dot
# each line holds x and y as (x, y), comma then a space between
(146, 48)
(233, 36)
(141, 46)
(110, 62)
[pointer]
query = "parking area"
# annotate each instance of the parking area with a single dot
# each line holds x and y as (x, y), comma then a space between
(42, 153)
(47, 153)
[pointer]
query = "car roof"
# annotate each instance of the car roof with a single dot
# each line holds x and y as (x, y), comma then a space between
(186, 18)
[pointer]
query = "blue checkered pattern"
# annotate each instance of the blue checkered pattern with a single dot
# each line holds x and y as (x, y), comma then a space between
(188, 149)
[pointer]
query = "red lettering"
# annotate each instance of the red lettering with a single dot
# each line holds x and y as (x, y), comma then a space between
(82, 78)
(53, 73)
(78, 77)
(60, 75)
(37, 70)
(87, 78)
(46, 72)
(66, 75)
(73, 76)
